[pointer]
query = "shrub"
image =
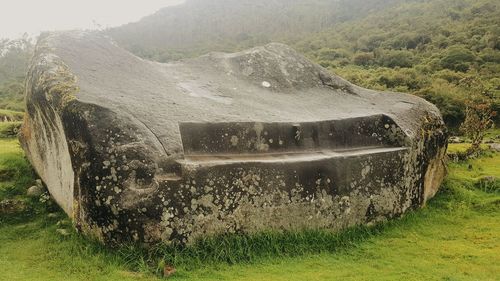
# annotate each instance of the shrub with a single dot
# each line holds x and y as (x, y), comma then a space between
(479, 113)
(363, 59)
(490, 55)
(395, 58)
(332, 54)
(458, 59)
(451, 107)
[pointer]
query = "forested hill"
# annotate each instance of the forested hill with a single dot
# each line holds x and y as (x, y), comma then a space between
(429, 48)
(198, 26)
(14, 58)
(425, 47)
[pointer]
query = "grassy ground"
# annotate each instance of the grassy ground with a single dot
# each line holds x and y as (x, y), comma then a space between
(9, 129)
(462, 147)
(11, 115)
(456, 237)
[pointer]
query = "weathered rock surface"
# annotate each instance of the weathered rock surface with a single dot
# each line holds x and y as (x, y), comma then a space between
(225, 143)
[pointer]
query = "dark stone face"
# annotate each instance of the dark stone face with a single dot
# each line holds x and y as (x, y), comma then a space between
(226, 143)
(257, 138)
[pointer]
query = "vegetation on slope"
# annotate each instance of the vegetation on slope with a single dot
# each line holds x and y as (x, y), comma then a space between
(456, 233)
(199, 26)
(12, 95)
(14, 59)
(426, 47)
(422, 47)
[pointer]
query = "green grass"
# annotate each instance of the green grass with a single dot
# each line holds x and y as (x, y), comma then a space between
(493, 134)
(454, 148)
(454, 238)
(15, 172)
(9, 129)
(11, 115)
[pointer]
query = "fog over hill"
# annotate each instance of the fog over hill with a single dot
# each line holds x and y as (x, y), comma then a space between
(199, 25)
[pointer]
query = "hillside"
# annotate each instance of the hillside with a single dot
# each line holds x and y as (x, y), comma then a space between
(14, 59)
(199, 26)
(427, 48)
(417, 46)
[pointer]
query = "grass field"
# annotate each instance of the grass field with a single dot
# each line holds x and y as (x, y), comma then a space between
(11, 115)
(9, 129)
(456, 237)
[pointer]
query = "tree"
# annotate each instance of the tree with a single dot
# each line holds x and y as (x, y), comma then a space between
(479, 113)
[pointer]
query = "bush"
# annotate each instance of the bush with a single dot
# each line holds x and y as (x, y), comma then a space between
(490, 55)
(409, 41)
(449, 75)
(402, 79)
(395, 58)
(451, 107)
(458, 59)
(479, 112)
(363, 59)
(326, 54)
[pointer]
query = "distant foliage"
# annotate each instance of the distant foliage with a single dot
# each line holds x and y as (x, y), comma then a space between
(363, 59)
(14, 60)
(422, 47)
(458, 59)
(395, 58)
(12, 94)
(200, 26)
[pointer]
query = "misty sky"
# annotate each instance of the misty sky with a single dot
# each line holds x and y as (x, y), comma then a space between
(33, 16)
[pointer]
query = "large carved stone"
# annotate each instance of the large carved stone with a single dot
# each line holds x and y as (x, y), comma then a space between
(225, 143)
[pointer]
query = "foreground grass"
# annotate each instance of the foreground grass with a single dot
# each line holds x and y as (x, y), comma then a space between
(456, 237)
(11, 115)
(15, 172)
(9, 129)
(462, 147)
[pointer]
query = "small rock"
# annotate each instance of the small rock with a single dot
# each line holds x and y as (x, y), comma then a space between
(63, 223)
(494, 146)
(52, 215)
(455, 140)
(168, 271)
(63, 232)
(35, 191)
(488, 179)
(488, 183)
(39, 183)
